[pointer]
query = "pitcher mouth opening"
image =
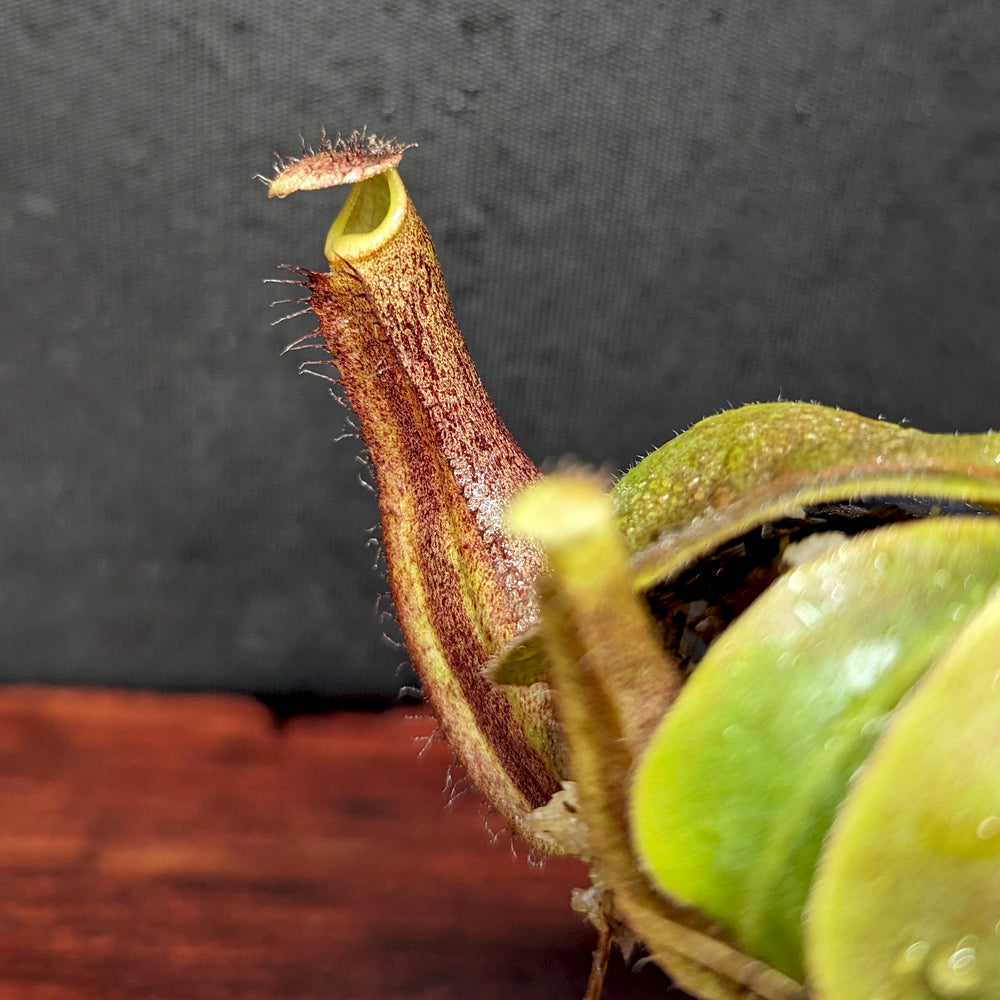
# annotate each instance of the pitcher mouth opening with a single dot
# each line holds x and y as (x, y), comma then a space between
(371, 216)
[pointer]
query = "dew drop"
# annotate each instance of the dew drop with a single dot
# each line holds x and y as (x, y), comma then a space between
(876, 725)
(961, 822)
(912, 958)
(954, 974)
(807, 613)
(988, 828)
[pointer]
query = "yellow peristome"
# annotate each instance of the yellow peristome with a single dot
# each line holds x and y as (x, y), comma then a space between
(371, 216)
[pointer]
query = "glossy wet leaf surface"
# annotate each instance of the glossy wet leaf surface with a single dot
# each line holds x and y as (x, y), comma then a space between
(743, 778)
(907, 902)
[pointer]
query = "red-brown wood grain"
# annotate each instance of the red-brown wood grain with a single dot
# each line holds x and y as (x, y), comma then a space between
(180, 846)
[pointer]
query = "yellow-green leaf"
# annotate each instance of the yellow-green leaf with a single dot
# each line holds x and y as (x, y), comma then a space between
(742, 780)
(906, 905)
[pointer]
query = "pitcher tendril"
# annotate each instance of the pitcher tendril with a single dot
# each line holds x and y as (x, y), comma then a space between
(754, 685)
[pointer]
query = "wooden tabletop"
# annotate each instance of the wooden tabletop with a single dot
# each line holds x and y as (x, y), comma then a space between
(183, 846)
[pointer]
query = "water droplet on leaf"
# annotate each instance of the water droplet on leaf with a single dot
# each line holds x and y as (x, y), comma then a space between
(988, 828)
(913, 957)
(953, 973)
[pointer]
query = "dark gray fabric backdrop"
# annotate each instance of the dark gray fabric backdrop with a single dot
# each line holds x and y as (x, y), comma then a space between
(645, 212)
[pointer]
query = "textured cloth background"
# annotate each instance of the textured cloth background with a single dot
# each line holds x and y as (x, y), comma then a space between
(645, 212)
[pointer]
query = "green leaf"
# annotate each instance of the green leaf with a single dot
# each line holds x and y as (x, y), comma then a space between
(742, 780)
(746, 467)
(906, 904)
